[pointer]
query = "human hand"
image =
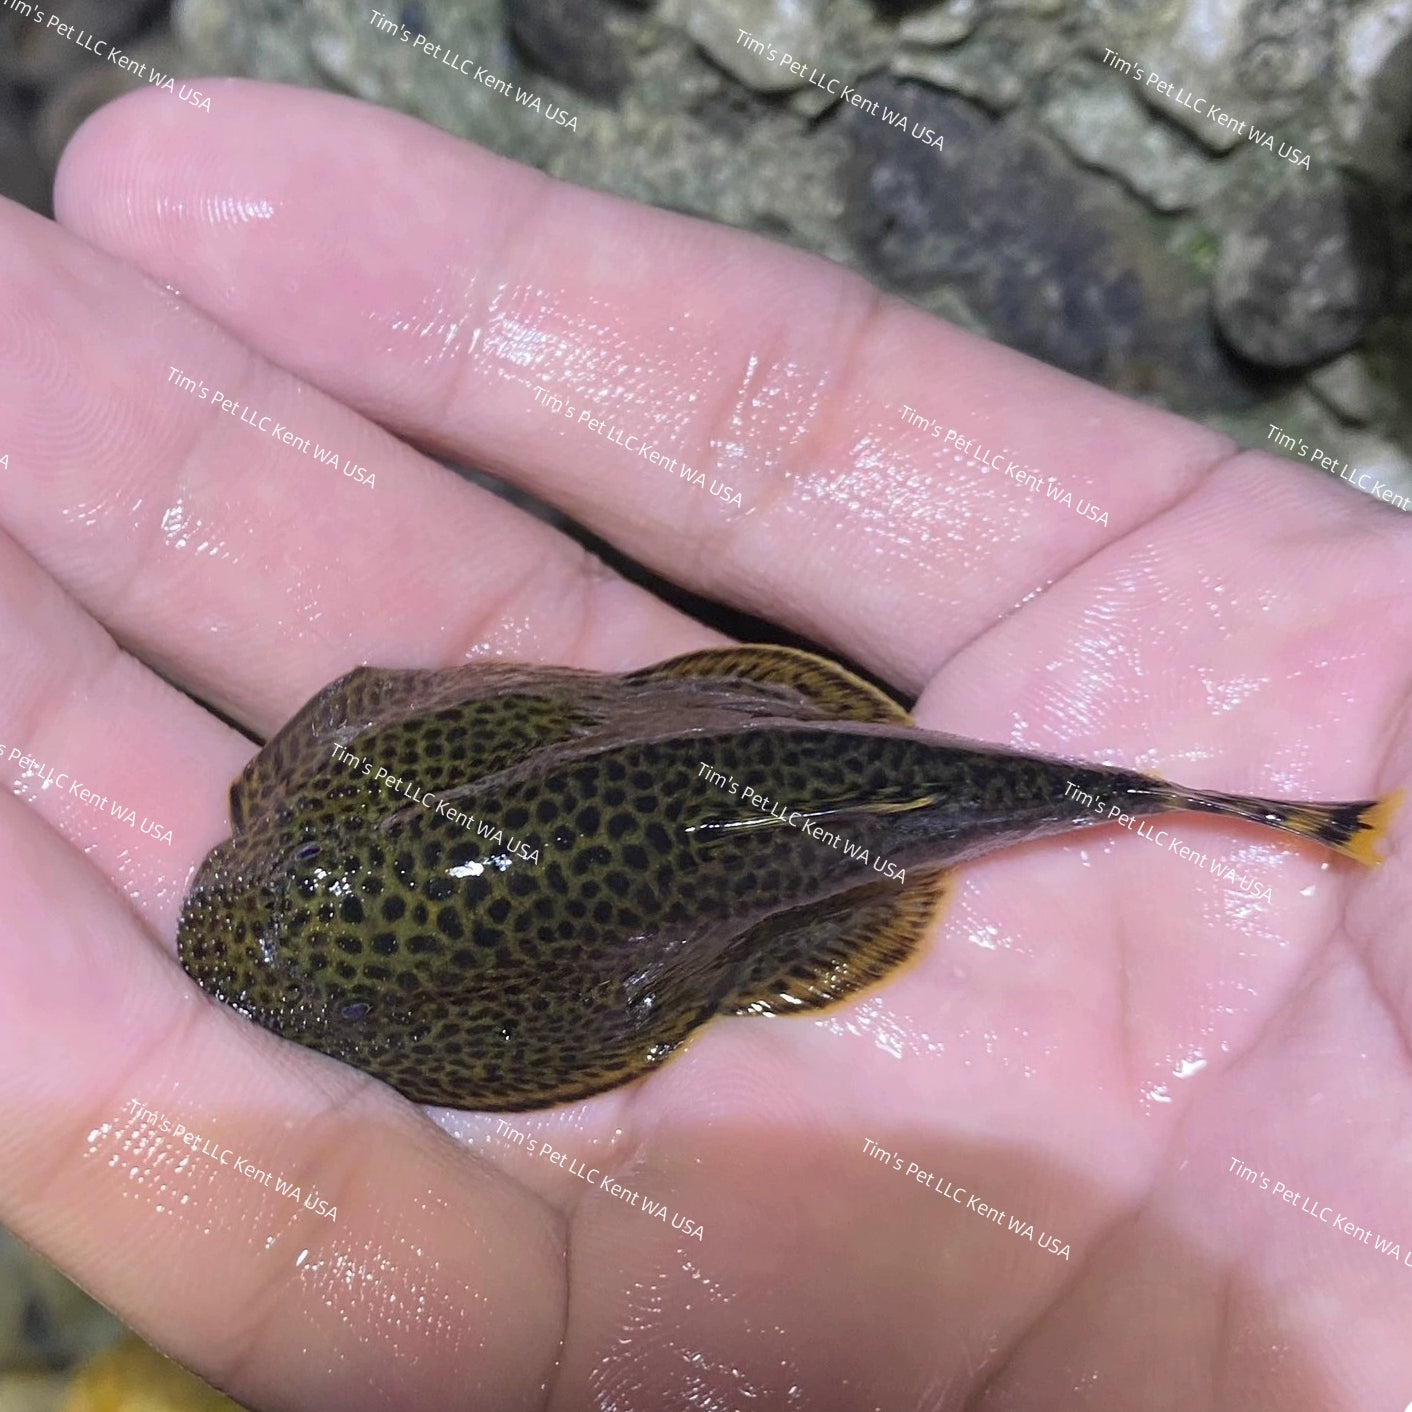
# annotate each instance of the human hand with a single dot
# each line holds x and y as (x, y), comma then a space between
(1097, 1028)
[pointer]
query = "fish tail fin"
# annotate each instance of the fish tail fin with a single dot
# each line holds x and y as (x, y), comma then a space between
(1352, 829)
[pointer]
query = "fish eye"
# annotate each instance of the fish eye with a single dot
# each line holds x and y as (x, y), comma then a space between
(309, 850)
(356, 1010)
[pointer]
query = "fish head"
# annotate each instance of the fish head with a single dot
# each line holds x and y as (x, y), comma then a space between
(271, 926)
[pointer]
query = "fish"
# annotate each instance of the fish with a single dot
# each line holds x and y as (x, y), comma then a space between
(501, 887)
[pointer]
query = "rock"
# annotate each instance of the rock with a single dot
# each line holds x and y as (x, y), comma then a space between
(1105, 126)
(31, 52)
(46, 1321)
(699, 126)
(946, 24)
(1348, 386)
(22, 175)
(1373, 105)
(1300, 279)
(1091, 292)
(335, 43)
(901, 200)
(1257, 61)
(1379, 461)
(574, 40)
(890, 9)
(730, 30)
(1189, 49)
(1124, 20)
(759, 43)
(987, 70)
(811, 100)
(261, 38)
(31, 55)
(733, 156)
(1189, 98)
(1284, 45)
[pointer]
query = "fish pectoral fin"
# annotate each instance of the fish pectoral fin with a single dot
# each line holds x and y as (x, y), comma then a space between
(828, 951)
(838, 693)
(302, 745)
(374, 698)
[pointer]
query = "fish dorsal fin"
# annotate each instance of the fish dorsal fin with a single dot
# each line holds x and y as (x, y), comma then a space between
(521, 708)
(500, 713)
(835, 691)
(820, 954)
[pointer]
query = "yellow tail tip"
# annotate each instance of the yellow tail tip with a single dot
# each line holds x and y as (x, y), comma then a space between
(1373, 824)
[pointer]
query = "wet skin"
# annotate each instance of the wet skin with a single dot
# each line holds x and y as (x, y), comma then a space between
(1242, 622)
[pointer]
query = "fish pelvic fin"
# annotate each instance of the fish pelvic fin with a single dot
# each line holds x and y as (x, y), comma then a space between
(1354, 829)
(823, 953)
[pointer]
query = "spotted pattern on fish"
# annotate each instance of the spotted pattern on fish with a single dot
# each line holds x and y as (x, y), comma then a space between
(503, 887)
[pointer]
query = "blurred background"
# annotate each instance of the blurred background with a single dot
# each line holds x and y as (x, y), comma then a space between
(1074, 210)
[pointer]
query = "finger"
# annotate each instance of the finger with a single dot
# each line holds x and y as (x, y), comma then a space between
(437, 1283)
(1214, 648)
(767, 371)
(126, 768)
(237, 563)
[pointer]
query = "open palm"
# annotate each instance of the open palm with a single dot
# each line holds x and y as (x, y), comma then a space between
(1098, 1031)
